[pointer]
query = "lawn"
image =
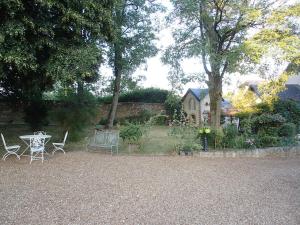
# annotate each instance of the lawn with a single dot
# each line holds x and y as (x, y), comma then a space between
(156, 142)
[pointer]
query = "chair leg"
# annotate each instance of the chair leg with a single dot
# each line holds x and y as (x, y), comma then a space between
(30, 158)
(4, 156)
(58, 149)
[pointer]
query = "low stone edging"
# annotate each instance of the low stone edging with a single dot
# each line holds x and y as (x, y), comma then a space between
(256, 153)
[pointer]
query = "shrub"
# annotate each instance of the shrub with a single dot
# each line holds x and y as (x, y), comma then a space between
(36, 113)
(268, 123)
(75, 114)
(230, 134)
(287, 130)
(131, 133)
(172, 104)
(103, 121)
(186, 136)
(142, 117)
(147, 95)
(159, 120)
(290, 110)
(188, 147)
(266, 140)
(215, 138)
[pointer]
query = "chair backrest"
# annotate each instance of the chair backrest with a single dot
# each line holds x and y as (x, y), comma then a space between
(37, 142)
(39, 132)
(106, 137)
(3, 141)
(66, 135)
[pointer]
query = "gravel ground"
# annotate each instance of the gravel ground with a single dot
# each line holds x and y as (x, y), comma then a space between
(90, 188)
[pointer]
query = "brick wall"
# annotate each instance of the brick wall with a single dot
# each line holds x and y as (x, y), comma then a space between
(15, 115)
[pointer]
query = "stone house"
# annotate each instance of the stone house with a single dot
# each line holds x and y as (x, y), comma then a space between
(291, 91)
(196, 104)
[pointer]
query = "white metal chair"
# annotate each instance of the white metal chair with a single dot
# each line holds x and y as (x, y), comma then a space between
(10, 150)
(37, 148)
(60, 146)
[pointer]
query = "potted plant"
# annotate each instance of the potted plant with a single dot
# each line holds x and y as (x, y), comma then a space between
(131, 135)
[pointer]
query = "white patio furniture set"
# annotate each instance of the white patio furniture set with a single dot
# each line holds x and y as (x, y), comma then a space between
(35, 143)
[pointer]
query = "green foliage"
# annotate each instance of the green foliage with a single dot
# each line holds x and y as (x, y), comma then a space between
(131, 133)
(287, 130)
(281, 31)
(215, 138)
(147, 95)
(134, 29)
(75, 113)
(267, 123)
(172, 104)
(230, 134)
(159, 120)
(143, 116)
(36, 114)
(267, 140)
(43, 42)
(290, 110)
(185, 134)
(189, 147)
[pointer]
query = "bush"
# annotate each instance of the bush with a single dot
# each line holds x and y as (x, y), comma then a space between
(75, 113)
(147, 95)
(267, 141)
(189, 147)
(230, 134)
(131, 132)
(172, 105)
(215, 138)
(287, 130)
(36, 113)
(159, 120)
(290, 110)
(103, 121)
(142, 117)
(267, 123)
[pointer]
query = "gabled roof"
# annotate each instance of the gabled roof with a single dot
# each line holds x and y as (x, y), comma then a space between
(199, 93)
(292, 92)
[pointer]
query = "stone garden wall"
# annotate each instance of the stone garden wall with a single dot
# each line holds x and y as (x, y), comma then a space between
(15, 115)
(129, 109)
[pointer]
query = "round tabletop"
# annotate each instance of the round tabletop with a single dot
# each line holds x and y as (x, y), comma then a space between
(32, 136)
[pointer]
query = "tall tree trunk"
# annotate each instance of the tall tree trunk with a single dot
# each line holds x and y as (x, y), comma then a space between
(116, 91)
(215, 95)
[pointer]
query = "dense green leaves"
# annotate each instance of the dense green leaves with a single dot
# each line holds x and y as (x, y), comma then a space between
(147, 95)
(41, 41)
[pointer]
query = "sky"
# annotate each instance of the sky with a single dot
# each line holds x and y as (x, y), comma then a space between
(156, 72)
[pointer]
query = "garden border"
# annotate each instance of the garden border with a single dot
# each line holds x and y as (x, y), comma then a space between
(255, 153)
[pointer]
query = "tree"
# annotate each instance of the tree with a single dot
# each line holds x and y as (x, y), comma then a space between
(214, 32)
(245, 100)
(40, 42)
(281, 31)
(44, 42)
(133, 43)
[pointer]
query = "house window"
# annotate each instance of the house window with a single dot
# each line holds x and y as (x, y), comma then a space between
(192, 104)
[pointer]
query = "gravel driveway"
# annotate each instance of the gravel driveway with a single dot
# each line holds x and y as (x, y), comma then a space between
(90, 188)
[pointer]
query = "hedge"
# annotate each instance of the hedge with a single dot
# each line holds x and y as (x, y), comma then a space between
(147, 95)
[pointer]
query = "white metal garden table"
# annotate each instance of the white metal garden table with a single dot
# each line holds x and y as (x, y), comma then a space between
(26, 140)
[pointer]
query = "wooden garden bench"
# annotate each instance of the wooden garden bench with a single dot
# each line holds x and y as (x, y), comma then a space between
(104, 139)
